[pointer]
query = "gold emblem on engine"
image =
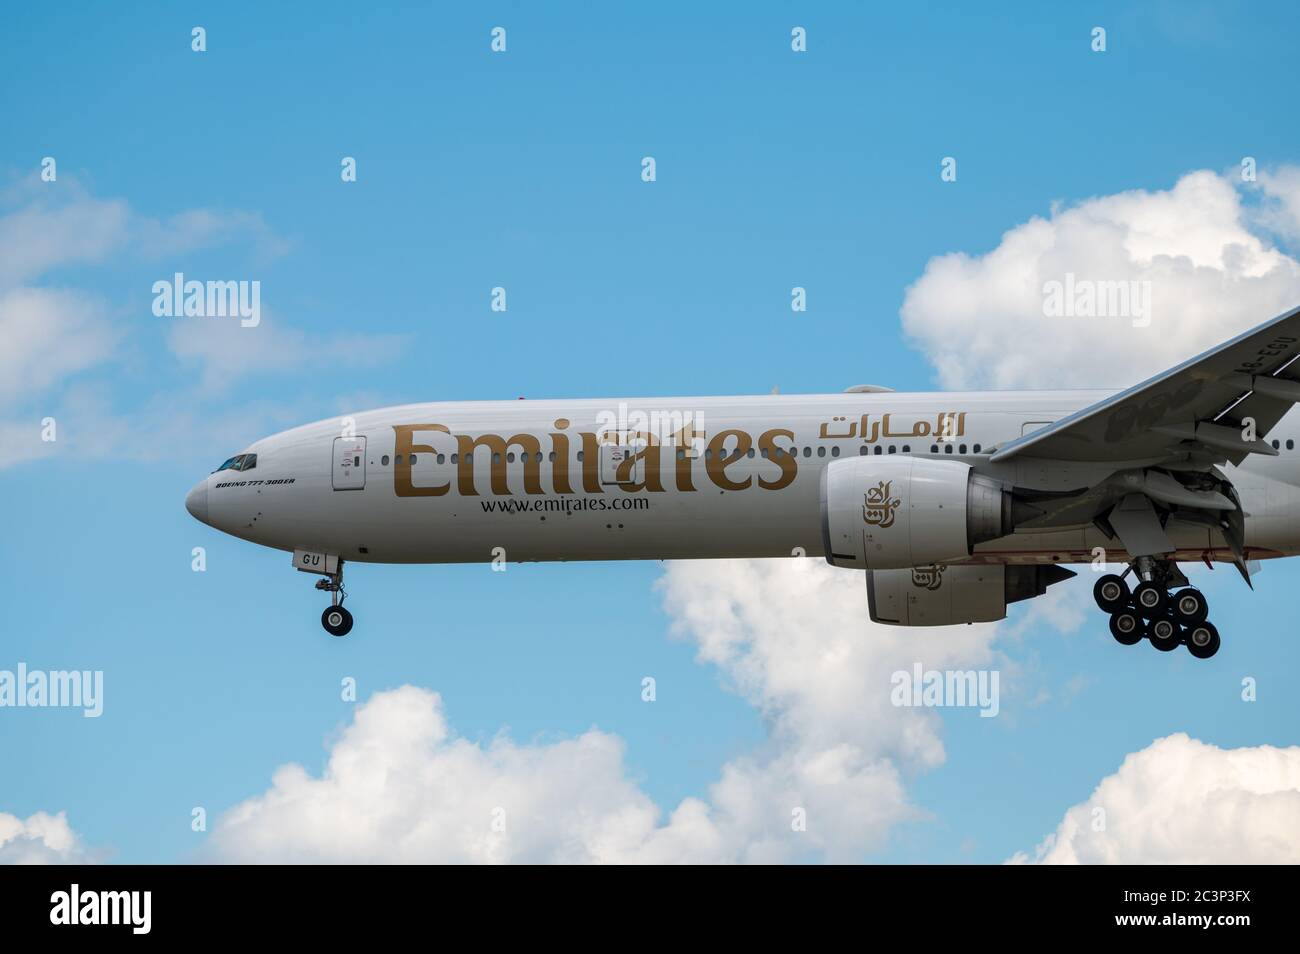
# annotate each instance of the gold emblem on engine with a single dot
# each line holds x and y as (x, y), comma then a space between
(928, 577)
(878, 506)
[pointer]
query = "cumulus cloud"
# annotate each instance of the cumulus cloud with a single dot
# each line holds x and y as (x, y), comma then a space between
(1279, 208)
(401, 786)
(791, 636)
(1181, 801)
(41, 839)
(1202, 246)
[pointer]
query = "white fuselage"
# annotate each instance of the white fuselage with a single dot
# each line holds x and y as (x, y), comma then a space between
(663, 478)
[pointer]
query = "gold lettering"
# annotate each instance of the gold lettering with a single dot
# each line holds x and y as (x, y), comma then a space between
(403, 449)
(560, 469)
(590, 464)
(650, 454)
(789, 466)
(715, 463)
(532, 450)
(684, 439)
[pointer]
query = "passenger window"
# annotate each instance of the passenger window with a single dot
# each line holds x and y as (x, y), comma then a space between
(907, 448)
(442, 459)
(864, 450)
(878, 450)
(891, 448)
(412, 460)
(384, 460)
(947, 448)
(977, 448)
(1290, 444)
(934, 448)
(821, 452)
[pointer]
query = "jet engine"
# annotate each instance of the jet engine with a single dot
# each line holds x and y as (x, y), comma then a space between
(891, 512)
(942, 595)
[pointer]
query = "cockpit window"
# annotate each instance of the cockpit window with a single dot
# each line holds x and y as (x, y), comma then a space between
(239, 462)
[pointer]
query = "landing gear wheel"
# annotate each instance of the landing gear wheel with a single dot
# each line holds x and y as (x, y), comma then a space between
(1203, 640)
(1189, 606)
(1164, 634)
(1126, 627)
(1150, 599)
(336, 620)
(1111, 593)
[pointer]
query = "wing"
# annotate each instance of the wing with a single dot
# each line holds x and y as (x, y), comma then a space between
(1197, 410)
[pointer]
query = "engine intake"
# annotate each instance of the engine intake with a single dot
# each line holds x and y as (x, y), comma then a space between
(896, 512)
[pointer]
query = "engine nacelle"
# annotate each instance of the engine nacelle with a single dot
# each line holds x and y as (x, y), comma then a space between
(943, 595)
(892, 512)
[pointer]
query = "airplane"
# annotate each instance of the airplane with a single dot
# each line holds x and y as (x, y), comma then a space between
(953, 505)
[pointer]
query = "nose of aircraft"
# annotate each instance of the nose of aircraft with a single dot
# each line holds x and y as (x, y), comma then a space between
(196, 501)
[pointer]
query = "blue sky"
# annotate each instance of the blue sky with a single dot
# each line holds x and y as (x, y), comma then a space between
(522, 170)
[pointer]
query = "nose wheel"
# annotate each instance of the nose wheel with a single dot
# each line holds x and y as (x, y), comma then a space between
(336, 620)
(1150, 611)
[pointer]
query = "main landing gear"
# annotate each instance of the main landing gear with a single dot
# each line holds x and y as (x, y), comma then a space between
(336, 620)
(1149, 609)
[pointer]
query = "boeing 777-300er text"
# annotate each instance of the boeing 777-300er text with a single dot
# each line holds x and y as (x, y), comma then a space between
(951, 504)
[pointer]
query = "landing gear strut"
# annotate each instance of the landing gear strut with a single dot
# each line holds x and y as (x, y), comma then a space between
(336, 620)
(1167, 621)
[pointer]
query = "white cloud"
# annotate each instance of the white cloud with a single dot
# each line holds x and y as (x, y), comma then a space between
(223, 351)
(400, 786)
(980, 318)
(1279, 209)
(52, 335)
(205, 228)
(1181, 801)
(792, 636)
(49, 334)
(41, 839)
(45, 234)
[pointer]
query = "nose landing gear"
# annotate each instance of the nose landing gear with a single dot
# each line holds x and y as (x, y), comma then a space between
(1167, 621)
(336, 620)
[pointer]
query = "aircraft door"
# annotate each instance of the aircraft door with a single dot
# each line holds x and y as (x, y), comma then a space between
(615, 452)
(349, 471)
